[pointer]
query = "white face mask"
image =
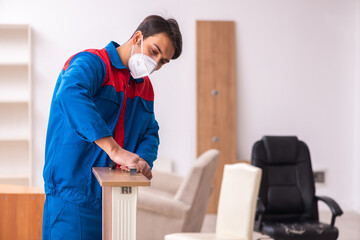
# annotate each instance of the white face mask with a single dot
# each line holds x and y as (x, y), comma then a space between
(141, 65)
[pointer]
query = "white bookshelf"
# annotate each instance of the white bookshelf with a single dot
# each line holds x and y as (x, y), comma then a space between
(15, 105)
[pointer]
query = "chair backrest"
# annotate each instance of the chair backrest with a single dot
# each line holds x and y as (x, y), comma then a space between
(196, 189)
(237, 203)
(287, 187)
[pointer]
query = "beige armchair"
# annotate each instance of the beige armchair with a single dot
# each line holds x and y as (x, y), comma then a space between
(174, 203)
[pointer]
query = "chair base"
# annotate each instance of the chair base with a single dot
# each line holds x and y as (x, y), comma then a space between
(300, 231)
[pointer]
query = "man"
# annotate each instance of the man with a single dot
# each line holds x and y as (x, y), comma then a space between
(102, 111)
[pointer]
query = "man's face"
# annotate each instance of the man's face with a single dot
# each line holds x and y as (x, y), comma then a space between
(159, 47)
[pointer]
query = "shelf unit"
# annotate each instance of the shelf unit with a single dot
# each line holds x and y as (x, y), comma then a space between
(15, 105)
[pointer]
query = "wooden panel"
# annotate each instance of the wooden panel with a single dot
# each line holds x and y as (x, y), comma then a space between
(118, 178)
(21, 216)
(216, 99)
(4, 188)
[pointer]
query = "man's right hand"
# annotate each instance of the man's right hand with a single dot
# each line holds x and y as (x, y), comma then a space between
(117, 153)
(124, 157)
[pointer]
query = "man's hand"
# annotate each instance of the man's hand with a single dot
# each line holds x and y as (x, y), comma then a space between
(125, 158)
(145, 168)
(117, 153)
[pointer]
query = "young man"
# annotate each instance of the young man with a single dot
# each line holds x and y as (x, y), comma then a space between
(102, 111)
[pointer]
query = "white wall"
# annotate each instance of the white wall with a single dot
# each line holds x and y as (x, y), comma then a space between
(297, 73)
(356, 158)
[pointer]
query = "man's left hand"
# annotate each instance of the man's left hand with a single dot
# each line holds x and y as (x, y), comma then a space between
(145, 168)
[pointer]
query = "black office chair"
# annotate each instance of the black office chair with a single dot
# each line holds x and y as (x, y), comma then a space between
(287, 206)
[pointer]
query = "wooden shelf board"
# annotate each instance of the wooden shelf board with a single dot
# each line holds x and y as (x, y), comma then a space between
(16, 189)
(19, 176)
(20, 63)
(14, 26)
(14, 100)
(14, 139)
(119, 178)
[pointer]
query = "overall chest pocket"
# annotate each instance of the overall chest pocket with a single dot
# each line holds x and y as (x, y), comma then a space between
(148, 106)
(108, 103)
(145, 112)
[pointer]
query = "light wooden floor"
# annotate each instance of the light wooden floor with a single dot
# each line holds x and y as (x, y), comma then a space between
(348, 224)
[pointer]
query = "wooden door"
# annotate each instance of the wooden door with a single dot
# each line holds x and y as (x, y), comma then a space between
(216, 95)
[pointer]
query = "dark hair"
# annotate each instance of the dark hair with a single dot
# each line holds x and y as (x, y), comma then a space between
(155, 24)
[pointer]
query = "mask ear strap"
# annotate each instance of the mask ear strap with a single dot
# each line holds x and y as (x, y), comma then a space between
(132, 50)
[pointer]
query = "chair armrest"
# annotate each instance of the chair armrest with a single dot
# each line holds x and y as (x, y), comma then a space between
(163, 205)
(260, 209)
(166, 181)
(334, 207)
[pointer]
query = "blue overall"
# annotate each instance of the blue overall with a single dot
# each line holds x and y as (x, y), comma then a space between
(94, 97)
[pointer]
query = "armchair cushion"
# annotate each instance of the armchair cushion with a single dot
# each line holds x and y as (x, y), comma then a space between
(166, 181)
(162, 204)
